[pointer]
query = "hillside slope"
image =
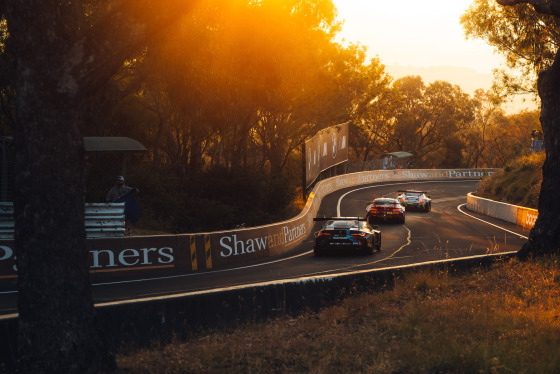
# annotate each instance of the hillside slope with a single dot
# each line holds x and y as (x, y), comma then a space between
(519, 182)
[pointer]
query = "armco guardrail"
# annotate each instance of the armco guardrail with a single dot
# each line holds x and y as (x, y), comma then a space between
(102, 220)
(192, 252)
(6, 220)
(519, 215)
(105, 220)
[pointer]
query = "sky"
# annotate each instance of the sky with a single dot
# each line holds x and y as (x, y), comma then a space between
(420, 33)
(419, 37)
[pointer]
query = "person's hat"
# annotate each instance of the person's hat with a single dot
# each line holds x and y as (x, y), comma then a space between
(120, 178)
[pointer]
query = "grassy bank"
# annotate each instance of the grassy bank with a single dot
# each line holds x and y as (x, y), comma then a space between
(518, 183)
(500, 320)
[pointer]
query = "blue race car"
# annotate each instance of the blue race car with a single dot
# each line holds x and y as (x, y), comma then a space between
(347, 235)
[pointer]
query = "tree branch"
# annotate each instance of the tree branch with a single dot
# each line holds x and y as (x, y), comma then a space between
(94, 57)
(551, 7)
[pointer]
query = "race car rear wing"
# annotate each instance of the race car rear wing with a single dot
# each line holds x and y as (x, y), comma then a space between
(409, 191)
(318, 219)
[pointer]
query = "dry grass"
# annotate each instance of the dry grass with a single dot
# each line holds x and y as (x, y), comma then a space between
(518, 183)
(500, 320)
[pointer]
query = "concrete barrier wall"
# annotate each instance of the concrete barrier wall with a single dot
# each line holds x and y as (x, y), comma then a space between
(519, 215)
(506, 212)
(193, 252)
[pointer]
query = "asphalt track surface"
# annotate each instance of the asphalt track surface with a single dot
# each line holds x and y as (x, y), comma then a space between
(447, 231)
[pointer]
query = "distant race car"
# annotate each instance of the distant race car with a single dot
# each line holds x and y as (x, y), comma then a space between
(415, 200)
(385, 209)
(347, 234)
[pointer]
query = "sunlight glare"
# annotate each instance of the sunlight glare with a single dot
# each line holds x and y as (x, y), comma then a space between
(414, 32)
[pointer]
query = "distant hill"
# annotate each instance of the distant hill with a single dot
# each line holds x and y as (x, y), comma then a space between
(468, 79)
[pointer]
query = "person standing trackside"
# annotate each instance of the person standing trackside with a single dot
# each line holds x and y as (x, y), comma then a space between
(119, 190)
(120, 193)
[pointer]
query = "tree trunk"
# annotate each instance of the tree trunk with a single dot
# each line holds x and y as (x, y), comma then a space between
(58, 68)
(56, 315)
(57, 330)
(545, 235)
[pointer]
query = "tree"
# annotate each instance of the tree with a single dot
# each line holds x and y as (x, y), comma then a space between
(374, 115)
(526, 38)
(239, 108)
(7, 92)
(60, 63)
(428, 122)
(545, 235)
(486, 107)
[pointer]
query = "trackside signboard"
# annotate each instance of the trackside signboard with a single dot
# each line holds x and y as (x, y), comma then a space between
(329, 147)
(202, 251)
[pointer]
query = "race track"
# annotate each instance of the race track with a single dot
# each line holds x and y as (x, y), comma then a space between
(448, 231)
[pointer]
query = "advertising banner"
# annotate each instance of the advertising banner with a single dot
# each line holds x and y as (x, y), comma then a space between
(108, 256)
(329, 147)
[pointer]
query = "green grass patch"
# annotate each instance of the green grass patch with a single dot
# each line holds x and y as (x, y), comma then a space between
(505, 319)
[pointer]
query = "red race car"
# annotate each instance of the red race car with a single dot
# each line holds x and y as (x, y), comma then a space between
(385, 209)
